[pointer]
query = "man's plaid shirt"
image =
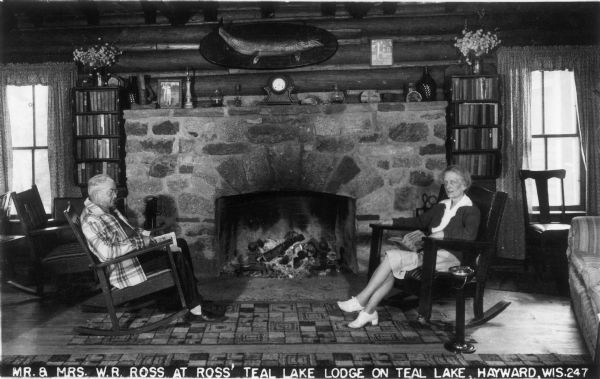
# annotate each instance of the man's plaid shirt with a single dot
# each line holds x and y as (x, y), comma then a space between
(107, 239)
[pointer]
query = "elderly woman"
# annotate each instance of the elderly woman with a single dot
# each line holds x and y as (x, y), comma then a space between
(456, 217)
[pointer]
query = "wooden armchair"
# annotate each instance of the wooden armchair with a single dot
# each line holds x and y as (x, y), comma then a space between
(546, 239)
(112, 297)
(477, 254)
(51, 253)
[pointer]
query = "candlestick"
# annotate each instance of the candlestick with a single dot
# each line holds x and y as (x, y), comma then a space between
(188, 91)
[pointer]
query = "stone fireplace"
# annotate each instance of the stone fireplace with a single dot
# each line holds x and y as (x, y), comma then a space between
(384, 156)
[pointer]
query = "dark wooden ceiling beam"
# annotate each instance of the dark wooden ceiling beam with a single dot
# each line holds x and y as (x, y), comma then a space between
(358, 10)
(177, 12)
(210, 11)
(389, 8)
(8, 19)
(267, 9)
(328, 9)
(90, 11)
(149, 10)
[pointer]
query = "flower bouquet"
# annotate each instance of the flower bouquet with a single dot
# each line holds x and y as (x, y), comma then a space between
(97, 57)
(474, 44)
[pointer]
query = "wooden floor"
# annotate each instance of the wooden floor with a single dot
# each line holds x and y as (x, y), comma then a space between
(532, 324)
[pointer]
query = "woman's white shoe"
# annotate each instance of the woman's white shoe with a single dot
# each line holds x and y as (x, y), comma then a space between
(351, 305)
(363, 319)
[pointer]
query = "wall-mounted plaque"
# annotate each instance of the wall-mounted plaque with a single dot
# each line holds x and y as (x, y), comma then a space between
(268, 45)
(382, 52)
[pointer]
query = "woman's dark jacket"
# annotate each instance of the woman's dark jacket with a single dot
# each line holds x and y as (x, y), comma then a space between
(464, 225)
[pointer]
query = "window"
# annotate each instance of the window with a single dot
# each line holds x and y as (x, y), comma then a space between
(555, 135)
(28, 114)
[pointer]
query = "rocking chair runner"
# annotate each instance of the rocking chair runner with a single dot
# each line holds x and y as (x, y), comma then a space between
(114, 297)
(477, 254)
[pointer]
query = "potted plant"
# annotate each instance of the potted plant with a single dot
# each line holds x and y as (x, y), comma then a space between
(98, 58)
(473, 45)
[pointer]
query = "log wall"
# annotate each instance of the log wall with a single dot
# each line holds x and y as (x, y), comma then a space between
(162, 40)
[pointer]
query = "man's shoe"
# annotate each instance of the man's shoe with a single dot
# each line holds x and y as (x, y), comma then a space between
(204, 317)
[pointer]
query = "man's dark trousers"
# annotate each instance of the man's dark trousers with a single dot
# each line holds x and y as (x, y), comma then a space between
(158, 260)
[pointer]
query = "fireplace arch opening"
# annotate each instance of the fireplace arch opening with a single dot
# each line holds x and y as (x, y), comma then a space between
(286, 233)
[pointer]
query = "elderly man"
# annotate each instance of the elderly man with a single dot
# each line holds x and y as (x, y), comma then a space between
(109, 235)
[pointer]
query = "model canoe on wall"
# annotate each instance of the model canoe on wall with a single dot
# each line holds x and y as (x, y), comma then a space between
(268, 45)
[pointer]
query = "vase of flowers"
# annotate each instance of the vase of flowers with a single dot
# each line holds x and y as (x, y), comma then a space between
(473, 45)
(98, 58)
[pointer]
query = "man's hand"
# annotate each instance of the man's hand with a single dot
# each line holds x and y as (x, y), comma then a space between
(148, 241)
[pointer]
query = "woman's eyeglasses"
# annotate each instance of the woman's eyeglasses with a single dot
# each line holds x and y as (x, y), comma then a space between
(452, 182)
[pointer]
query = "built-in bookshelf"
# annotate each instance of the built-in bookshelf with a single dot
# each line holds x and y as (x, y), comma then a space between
(98, 135)
(474, 133)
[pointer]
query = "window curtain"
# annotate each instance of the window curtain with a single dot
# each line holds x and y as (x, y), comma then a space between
(60, 78)
(515, 64)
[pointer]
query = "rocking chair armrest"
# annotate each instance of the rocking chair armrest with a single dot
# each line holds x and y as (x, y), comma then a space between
(135, 253)
(49, 229)
(56, 222)
(380, 227)
(457, 244)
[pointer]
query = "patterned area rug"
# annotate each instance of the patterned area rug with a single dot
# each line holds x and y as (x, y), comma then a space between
(328, 359)
(275, 323)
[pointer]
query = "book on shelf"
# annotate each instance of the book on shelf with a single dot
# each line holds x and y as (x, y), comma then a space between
(94, 148)
(477, 114)
(476, 88)
(95, 100)
(100, 124)
(475, 138)
(478, 164)
(86, 170)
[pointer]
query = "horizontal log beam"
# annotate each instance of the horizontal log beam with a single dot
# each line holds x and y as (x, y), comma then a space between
(360, 78)
(392, 26)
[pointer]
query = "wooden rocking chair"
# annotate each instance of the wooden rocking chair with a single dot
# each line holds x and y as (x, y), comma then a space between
(112, 297)
(477, 254)
(52, 252)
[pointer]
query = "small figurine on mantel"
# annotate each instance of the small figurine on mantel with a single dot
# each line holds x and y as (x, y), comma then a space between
(216, 99)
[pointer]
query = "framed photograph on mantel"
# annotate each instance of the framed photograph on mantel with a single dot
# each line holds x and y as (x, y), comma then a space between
(169, 93)
(382, 52)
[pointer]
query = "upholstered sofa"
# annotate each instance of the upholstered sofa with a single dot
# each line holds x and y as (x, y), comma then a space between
(583, 255)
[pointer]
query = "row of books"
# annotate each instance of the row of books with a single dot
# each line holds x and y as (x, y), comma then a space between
(470, 138)
(477, 114)
(97, 148)
(481, 88)
(93, 101)
(88, 169)
(478, 164)
(101, 124)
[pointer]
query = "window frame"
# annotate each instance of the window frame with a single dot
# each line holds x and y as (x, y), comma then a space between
(545, 137)
(32, 148)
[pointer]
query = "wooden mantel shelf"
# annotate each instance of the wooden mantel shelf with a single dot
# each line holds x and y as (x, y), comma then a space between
(284, 109)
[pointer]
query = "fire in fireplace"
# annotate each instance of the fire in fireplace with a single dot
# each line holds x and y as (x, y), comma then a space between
(286, 233)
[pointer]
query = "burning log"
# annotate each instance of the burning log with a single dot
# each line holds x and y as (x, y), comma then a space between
(280, 249)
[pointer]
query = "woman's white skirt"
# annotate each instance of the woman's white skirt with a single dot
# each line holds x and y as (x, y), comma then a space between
(402, 261)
